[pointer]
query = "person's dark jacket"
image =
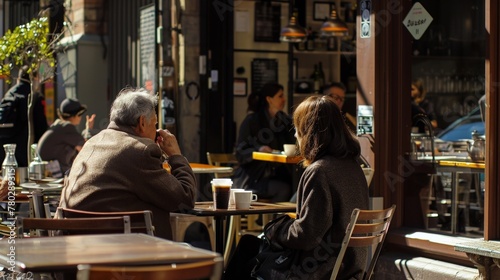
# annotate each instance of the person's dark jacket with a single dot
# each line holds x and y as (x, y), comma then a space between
(328, 191)
(257, 130)
(21, 125)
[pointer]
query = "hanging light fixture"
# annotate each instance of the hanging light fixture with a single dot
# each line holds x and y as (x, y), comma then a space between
(334, 27)
(293, 33)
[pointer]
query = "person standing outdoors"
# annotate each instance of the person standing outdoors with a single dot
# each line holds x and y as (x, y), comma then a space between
(121, 167)
(62, 141)
(266, 129)
(19, 136)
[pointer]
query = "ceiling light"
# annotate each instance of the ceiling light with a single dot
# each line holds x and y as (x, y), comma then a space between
(293, 33)
(334, 27)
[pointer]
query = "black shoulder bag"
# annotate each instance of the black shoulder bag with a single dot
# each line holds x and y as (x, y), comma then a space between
(274, 261)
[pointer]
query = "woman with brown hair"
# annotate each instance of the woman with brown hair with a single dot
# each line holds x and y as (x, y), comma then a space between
(418, 94)
(332, 185)
(265, 129)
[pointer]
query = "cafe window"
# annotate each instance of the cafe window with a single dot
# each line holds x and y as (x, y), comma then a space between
(448, 80)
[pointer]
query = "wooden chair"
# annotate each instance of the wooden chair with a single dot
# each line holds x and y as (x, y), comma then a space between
(71, 226)
(367, 228)
(187, 271)
(140, 221)
(222, 159)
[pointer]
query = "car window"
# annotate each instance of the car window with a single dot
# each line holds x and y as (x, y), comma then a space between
(463, 127)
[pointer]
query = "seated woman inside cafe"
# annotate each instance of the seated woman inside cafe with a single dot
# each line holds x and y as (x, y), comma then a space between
(266, 129)
(332, 185)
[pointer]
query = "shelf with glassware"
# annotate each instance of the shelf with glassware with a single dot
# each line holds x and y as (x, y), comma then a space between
(454, 84)
(327, 50)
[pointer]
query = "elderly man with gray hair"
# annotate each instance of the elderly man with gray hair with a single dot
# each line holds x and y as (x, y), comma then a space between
(120, 168)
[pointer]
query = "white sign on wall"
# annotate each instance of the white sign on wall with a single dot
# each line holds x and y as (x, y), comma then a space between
(417, 20)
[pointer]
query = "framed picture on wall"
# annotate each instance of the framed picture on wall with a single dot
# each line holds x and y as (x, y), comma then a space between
(322, 10)
(267, 22)
(240, 87)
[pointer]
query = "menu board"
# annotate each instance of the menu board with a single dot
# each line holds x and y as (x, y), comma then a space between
(267, 22)
(264, 71)
(147, 47)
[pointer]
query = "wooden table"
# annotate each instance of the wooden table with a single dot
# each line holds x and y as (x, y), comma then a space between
(207, 209)
(280, 158)
(63, 253)
(203, 168)
(207, 168)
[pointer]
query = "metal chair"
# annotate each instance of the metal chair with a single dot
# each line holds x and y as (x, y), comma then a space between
(367, 228)
(140, 221)
(40, 227)
(181, 222)
(211, 269)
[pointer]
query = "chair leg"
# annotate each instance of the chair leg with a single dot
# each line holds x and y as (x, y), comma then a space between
(231, 237)
(181, 222)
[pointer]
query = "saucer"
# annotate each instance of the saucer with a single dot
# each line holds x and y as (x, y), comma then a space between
(35, 186)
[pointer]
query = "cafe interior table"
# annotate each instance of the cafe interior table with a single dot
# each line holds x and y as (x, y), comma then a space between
(206, 209)
(65, 253)
(275, 157)
(282, 158)
(455, 167)
(199, 168)
(203, 168)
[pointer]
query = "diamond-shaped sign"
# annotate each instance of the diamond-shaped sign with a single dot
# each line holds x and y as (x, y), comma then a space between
(417, 20)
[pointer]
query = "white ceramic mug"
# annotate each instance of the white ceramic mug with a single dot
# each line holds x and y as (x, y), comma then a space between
(231, 196)
(289, 149)
(243, 199)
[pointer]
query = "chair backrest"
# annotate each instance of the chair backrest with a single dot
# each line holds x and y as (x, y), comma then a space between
(72, 226)
(221, 159)
(367, 228)
(140, 221)
(211, 269)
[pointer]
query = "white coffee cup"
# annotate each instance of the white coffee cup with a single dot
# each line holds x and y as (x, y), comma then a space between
(243, 199)
(289, 149)
(231, 196)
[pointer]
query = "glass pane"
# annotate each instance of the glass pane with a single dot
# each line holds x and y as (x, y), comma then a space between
(447, 82)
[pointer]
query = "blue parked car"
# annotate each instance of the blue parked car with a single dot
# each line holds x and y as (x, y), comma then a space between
(463, 127)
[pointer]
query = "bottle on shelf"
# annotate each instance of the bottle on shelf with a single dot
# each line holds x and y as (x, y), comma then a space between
(331, 43)
(321, 76)
(310, 40)
(300, 46)
(316, 79)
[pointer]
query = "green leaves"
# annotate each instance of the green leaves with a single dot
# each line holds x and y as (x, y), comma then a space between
(28, 45)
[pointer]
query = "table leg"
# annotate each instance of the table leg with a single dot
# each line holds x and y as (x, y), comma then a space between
(219, 234)
(454, 201)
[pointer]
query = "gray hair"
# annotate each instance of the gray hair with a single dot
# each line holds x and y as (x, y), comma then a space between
(131, 104)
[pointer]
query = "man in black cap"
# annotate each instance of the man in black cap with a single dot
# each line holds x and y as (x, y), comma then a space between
(19, 135)
(62, 141)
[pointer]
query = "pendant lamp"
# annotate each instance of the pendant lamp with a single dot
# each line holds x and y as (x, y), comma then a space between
(293, 33)
(334, 27)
